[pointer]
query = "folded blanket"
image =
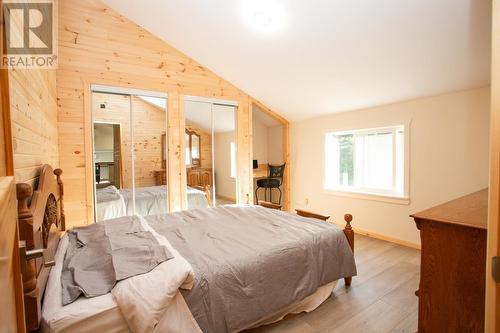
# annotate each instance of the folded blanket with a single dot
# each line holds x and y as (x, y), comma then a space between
(152, 302)
(103, 253)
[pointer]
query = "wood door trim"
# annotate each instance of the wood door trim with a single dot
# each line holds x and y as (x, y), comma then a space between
(492, 313)
(12, 286)
(5, 108)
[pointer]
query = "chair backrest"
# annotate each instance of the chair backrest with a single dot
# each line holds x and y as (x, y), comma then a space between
(276, 171)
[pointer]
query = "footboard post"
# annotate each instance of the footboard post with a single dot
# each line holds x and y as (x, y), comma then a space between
(349, 234)
(58, 173)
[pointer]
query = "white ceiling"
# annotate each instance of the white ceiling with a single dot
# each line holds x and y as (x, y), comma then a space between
(330, 55)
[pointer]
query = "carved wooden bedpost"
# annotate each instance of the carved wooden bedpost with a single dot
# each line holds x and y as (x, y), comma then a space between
(25, 217)
(58, 173)
(349, 234)
(25, 220)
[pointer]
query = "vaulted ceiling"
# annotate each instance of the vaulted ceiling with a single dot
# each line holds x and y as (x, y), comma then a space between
(325, 56)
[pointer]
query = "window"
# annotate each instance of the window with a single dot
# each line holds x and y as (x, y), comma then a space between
(368, 161)
(233, 159)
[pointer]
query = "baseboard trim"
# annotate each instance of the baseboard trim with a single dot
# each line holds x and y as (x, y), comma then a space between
(384, 237)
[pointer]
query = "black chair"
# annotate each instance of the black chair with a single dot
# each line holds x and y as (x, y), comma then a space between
(274, 180)
(97, 173)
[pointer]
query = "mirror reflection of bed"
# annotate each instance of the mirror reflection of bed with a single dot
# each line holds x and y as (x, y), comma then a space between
(129, 153)
(210, 151)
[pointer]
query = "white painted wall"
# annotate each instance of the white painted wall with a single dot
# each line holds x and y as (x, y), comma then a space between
(275, 144)
(260, 140)
(103, 136)
(448, 159)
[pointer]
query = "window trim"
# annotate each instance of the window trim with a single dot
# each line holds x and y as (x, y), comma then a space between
(366, 193)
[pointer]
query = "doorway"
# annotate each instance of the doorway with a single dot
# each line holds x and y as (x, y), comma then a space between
(107, 155)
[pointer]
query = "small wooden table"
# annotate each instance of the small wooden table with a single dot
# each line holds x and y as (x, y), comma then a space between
(260, 173)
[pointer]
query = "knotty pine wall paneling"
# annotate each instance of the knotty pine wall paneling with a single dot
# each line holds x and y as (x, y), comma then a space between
(33, 111)
(176, 170)
(244, 179)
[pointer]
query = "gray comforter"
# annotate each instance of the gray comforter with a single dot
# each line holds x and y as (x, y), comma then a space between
(149, 200)
(251, 262)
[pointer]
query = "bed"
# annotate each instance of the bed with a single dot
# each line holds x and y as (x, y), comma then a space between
(262, 262)
(112, 202)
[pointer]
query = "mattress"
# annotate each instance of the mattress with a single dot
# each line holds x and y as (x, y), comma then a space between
(101, 314)
(110, 209)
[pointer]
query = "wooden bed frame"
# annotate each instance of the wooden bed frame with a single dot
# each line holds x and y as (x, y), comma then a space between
(348, 232)
(41, 222)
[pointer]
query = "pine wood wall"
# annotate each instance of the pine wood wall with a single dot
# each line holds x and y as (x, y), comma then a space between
(99, 46)
(33, 112)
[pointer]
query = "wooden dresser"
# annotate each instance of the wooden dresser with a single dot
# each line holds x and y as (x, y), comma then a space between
(199, 177)
(160, 177)
(453, 265)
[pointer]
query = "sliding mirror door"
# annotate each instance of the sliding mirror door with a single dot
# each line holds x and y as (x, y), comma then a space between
(210, 152)
(149, 119)
(112, 167)
(129, 159)
(198, 154)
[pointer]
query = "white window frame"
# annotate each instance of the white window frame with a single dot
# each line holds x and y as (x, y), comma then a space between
(366, 193)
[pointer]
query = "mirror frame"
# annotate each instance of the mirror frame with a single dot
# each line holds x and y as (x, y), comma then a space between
(194, 161)
(164, 151)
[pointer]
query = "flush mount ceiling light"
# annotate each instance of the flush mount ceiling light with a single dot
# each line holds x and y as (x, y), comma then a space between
(265, 16)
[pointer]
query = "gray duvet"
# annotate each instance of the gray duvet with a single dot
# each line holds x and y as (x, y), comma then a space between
(251, 262)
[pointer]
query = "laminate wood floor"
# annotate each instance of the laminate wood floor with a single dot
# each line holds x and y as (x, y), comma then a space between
(224, 201)
(380, 299)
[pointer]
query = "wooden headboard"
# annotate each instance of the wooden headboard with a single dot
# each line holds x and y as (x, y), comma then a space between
(41, 222)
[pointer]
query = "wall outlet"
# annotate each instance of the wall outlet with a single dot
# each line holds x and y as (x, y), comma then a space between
(306, 201)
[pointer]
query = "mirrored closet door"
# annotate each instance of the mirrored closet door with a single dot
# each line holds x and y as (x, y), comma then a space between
(130, 152)
(210, 152)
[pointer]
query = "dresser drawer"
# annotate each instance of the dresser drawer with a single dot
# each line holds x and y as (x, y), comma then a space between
(161, 177)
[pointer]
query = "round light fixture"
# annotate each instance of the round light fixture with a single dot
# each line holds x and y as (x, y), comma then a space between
(265, 16)
(262, 19)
